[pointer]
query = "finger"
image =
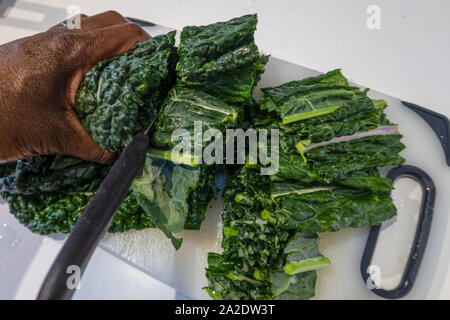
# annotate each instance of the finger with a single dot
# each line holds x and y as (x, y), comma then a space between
(102, 20)
(62, 25)
(83, 146)
(112, 41)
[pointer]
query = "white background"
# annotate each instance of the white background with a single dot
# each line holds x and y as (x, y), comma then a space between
(406, 58)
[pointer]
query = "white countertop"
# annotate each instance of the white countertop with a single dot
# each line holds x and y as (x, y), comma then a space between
(406, 58)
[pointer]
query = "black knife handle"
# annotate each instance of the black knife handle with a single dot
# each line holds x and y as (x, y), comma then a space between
(94, 221)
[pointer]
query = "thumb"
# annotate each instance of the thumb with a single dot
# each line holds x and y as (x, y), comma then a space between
(82, 145)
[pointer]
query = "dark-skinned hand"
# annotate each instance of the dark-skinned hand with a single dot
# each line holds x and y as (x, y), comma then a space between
(39, 78)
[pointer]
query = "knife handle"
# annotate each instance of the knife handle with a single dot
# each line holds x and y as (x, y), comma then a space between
(94, 221)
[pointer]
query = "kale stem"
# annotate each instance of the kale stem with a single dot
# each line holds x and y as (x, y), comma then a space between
(174, 157)
(308, 115)
(292, 268)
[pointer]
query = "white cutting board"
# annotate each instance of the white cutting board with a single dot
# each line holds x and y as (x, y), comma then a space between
(151, 252)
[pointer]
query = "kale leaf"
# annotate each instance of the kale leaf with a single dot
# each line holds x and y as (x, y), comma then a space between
(52, 174)
(120, 97)
(48, 213)
(164, 189)
(183, 106)
(48, 193)
(222, 59)
(328, 208)
(300, 286)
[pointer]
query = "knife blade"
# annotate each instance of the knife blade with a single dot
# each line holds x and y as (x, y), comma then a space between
(95, 219)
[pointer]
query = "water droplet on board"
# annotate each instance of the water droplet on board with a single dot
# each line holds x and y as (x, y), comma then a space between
(9, 238)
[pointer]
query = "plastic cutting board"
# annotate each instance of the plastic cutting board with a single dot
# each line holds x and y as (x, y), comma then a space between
(153, 253)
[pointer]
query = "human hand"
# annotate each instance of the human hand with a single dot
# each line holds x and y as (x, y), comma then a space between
(39, 78)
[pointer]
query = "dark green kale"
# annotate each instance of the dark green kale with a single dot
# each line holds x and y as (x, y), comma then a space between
(300, 286)
(121, 96)
(332, 140)
(260, 260)
(164, 189)
(327, 208)
(27, 209)
(222, 59)
(184, 106)
(334, 163)
(219, 65)
(48, 213)
(276, 97)
(130, 216)
(48, 193)
(311, 131)
(223, 274)
(247, 240)
(351, 137)
(327, 96)
(200, 198)
(293, 167)
(53, 174)
(7, 169)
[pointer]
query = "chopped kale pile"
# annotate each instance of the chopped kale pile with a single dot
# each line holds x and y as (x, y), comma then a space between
(333, 138)
(218, 68)
(256, 251)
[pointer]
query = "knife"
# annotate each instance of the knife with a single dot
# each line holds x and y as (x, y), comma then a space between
(94, 221)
